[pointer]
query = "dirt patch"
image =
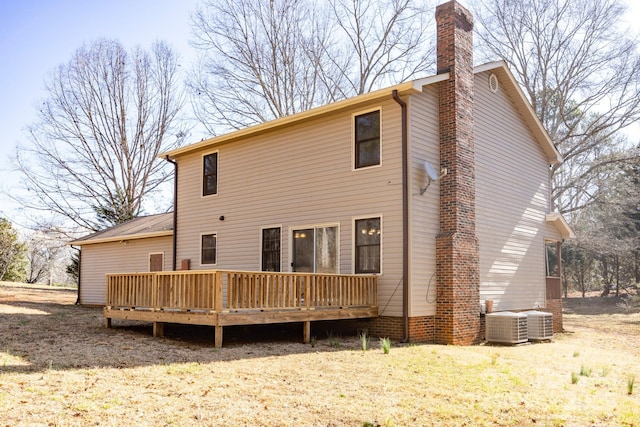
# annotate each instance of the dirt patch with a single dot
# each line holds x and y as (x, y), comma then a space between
(59, 365)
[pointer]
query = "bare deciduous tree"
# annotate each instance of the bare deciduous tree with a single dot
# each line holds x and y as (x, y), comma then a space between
(91, 157)
(386, 42)
(47, 257)
(264, 60)
(608, 235)
(258, 61)
(581, 72)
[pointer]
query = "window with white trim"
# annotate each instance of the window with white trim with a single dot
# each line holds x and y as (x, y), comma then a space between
(271, 249)
(208, 249)
(368, 233)
(210, 174)
(366, 139)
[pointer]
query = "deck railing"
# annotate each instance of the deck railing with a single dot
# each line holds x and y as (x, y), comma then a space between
(224, 298)
(218, 291)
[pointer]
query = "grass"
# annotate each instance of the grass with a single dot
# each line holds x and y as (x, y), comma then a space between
(494, 358)
(574, 378)
(76, 372)
(364, 341)
(334, 341)
(584, 371)
(385, 345)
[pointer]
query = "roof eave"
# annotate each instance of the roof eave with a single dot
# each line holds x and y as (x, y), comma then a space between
(410, 87)
(561, 224)
(406, 88)
(121, 238)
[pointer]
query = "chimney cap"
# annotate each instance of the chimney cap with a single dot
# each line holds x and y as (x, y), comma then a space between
(462, 17)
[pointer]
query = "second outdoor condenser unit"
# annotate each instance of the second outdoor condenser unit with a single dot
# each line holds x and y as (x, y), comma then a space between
(540, 325)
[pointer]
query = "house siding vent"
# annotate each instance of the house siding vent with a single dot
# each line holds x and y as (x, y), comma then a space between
(493, 83)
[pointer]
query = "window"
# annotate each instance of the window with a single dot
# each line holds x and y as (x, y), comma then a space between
(551, 252)
(208, 249)
(367, 243)
(271, 249)
(315, 249)
(210, 174)
(367, 139)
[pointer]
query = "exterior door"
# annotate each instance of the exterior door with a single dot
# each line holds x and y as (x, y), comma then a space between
(156, 262)
(315, 250)
(303, 256)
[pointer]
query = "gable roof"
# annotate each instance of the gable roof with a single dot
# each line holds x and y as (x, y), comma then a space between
(406, 88)
(513, 89)
(137, 228)
(500, 68)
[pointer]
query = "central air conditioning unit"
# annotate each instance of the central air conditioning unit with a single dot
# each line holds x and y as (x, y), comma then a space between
(506, 327)
(540, 325)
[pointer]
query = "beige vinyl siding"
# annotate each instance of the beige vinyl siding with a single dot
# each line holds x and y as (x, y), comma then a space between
(299, 176)
(424, 215)
(115, 257)
(511, 203)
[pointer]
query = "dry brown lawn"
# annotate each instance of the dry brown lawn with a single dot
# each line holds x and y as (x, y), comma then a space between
(59, 366)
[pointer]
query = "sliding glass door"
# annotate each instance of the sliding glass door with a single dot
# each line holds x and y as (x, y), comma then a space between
(315, 249)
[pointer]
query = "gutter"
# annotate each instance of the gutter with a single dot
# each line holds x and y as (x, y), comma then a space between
(405, 219)
(175, 210)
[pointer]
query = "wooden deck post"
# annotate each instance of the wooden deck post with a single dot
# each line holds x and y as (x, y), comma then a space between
(158, 329)
(108, 322)
(217, 297)
(306, 331)
(218, 336)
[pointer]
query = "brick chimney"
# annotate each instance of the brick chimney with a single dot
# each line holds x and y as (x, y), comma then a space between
(457, 258)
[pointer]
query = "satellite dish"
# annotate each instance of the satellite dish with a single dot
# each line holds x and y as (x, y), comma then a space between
(431, 171)
(432, 174)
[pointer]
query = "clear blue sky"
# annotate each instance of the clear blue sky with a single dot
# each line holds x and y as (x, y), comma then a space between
(38, 35)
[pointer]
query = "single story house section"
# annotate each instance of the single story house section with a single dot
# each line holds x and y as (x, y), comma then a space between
(142, 244)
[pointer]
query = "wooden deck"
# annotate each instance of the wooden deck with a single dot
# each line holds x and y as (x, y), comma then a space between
(224, 298)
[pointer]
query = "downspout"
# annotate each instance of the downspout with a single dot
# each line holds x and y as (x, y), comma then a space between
(405, 220)
(175, 210)
(79, 272)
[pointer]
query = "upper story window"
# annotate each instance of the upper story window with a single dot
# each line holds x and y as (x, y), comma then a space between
(367, 139)
(210, 174)
(367, 245)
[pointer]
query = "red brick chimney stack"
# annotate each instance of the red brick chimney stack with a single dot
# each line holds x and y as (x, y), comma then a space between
(458, 278)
